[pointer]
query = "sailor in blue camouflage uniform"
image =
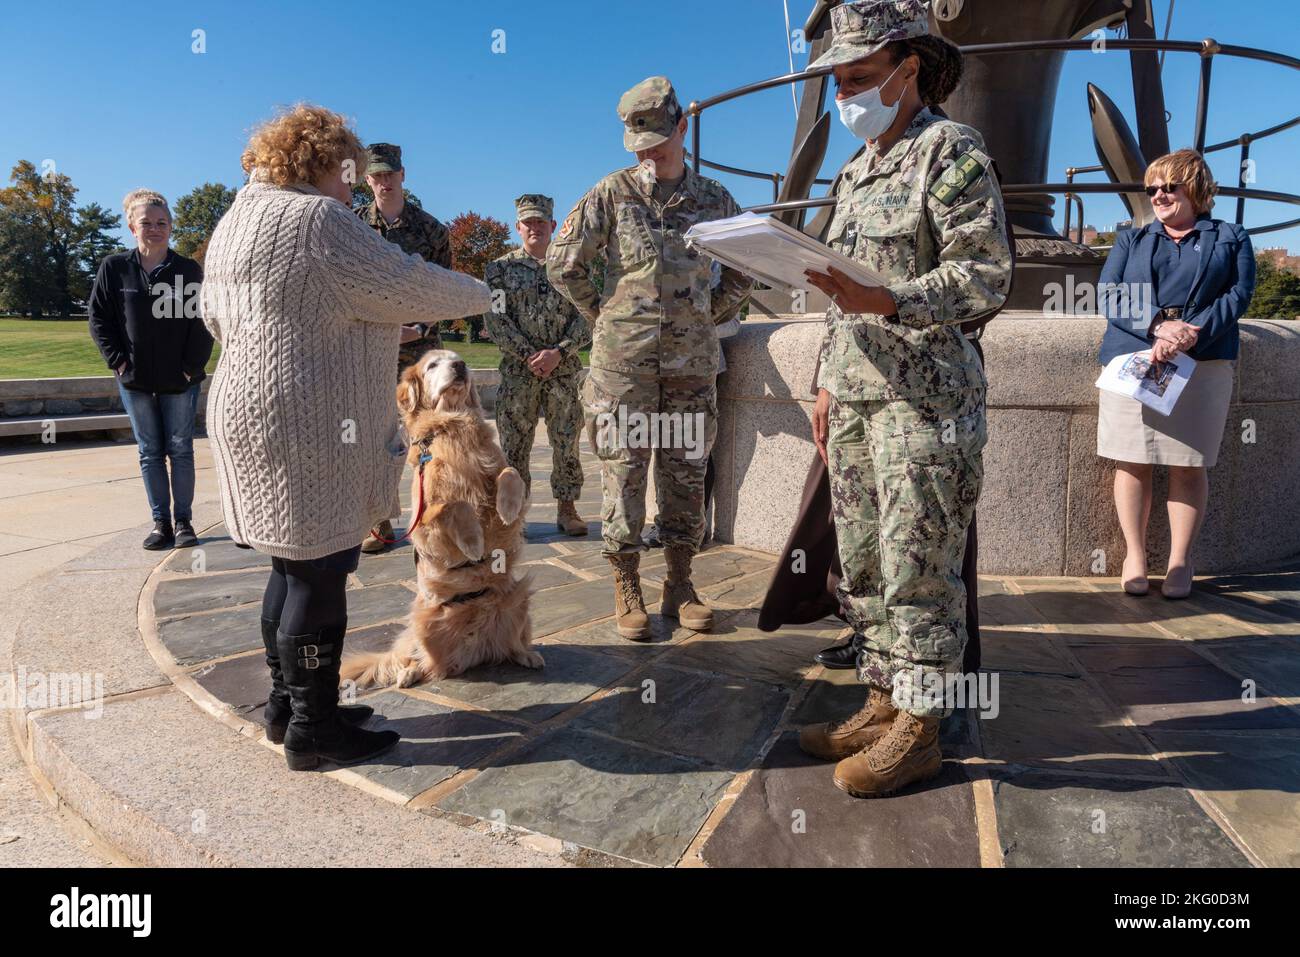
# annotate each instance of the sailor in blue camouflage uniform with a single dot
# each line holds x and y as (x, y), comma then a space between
(899, 416)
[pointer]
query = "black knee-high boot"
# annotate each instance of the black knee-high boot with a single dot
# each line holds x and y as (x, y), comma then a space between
(316, 731)
(278, 710)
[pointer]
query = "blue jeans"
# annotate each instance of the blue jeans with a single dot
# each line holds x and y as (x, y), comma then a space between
(164, 427)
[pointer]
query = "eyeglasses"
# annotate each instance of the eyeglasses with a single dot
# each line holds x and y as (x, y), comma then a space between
(1169, 188)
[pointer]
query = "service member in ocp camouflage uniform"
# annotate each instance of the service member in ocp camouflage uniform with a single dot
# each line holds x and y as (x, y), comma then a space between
(654, 349)
(539, 333)
(900, 412)
(417, 233)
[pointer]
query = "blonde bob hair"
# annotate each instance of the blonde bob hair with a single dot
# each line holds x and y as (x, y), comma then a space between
(1190, 169)
(139, 198)
(302, 145)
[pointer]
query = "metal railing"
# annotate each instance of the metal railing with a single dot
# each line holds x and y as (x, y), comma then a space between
(1207, 49)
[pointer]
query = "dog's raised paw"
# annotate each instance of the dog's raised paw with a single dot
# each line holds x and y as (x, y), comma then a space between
(511, 495)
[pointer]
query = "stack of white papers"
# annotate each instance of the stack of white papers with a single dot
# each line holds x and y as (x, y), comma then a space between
(1155, 385)
(772, 252)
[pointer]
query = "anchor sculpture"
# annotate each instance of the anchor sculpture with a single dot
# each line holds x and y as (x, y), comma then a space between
(1010, 98)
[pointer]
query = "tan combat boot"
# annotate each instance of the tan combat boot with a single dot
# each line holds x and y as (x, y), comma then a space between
(374, 544)
(629, 607)
(908, 752)
(838, 740)
(568, 520)
(679, 599)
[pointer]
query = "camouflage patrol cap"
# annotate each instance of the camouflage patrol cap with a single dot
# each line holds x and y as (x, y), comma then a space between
(384, 158)
(860, 28)
(534, 205)
(649, 112)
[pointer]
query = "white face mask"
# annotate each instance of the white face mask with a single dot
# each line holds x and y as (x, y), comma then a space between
(865, 115)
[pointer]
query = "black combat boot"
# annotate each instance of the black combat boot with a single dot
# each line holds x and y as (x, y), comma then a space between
(278, 708)
(316, 733)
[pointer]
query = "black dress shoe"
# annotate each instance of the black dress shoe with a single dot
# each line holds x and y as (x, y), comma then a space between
(161, 537)
(185, 537)
(840, 656)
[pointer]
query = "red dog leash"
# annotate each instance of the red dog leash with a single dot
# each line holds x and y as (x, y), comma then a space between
(425, 456)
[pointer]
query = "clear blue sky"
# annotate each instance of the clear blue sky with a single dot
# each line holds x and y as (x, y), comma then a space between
(112, 93)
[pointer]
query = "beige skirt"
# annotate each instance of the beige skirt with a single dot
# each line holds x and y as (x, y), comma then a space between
(1127, 431)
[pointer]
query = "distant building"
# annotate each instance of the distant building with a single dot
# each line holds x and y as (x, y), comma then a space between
(1281, 258)
(1089, 235)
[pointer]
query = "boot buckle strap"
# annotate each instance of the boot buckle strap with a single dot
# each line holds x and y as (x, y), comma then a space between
(312, 657)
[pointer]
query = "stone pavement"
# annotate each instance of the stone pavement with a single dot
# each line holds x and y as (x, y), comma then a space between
(1125, 732)
(59, 504)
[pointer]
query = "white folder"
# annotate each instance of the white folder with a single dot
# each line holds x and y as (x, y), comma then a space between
(772, 252)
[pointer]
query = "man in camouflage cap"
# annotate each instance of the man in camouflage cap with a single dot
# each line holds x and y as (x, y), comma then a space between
(900, 412)
(539, 333)
(417, 233)
(406, 224)
(654, 352)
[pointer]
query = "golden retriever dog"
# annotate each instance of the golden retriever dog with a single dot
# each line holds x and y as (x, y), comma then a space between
(471, 609)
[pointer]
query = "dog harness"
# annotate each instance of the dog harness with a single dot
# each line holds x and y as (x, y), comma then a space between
(468, 596)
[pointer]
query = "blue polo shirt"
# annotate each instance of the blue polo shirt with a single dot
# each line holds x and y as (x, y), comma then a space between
(1174, 264)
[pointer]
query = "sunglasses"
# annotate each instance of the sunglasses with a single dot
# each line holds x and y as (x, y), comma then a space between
(1169, 188)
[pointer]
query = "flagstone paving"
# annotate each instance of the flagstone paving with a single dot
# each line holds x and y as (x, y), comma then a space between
(1119, 732)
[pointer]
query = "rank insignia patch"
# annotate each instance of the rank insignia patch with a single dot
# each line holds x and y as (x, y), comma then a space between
(957, 178)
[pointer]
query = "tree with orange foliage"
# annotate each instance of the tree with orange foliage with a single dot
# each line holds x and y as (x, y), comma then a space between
(476, 241)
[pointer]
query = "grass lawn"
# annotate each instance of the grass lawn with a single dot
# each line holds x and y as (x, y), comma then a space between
(46, 349)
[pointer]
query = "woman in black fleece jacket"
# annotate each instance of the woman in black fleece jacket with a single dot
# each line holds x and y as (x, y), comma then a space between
(145, 318)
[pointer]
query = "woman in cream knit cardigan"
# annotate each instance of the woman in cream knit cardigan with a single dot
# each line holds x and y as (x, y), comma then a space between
(308, 304)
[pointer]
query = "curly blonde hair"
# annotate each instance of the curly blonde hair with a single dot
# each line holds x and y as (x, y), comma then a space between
(1189, 168)
(301, 145)
(139, 198)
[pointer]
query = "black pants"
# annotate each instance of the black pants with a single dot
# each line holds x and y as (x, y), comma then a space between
(308, 596)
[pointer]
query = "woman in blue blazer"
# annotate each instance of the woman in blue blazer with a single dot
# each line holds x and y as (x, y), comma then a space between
(1178, 284)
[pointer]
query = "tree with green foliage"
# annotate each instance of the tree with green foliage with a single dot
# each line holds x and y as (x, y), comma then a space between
(43, 201)
(196, 214)
(49, 249)
(26, 276)
(1277, 292)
